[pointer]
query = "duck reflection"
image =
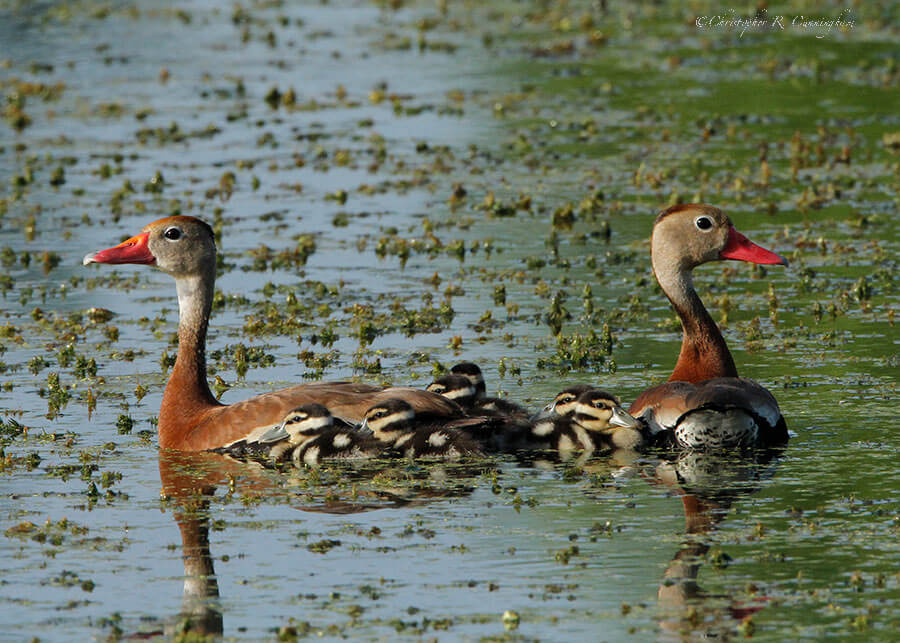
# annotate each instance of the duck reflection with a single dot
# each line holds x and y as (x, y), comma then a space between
(708, 484)
(189, 481)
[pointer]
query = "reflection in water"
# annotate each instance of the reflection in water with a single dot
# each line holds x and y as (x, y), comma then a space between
(708, 484)
(189, 481)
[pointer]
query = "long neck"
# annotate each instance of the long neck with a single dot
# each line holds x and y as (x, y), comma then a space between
(187, 394)
(704, 353)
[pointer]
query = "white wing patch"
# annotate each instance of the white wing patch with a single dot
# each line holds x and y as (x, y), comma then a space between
(543, 429)
(438, 439)
(341, 440)
(311, 457)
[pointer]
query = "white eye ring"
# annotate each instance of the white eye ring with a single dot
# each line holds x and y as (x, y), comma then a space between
(703, 223)
(173, 234)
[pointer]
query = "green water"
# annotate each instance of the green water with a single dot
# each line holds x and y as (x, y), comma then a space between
(561, 129)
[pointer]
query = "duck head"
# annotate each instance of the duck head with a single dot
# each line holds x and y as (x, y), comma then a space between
(458, 388)
(389, 420)
(181, 246)
(600, 411)
(688, 235)
(472, 372)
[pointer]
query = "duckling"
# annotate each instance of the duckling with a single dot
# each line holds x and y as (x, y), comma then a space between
(491, 433)
(458, 388)
(336, 444)
(607, 424)
(548, 426)
(563, 403)
(308, 434)
(587, 422)
(394, 423)
(473, 373)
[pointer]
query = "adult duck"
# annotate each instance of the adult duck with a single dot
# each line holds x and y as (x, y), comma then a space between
(705, 405)
(191, 419)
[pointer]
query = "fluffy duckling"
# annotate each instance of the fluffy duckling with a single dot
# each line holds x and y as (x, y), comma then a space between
(458, 388)
(473, 373)
(492, 433)
(591, 420)
(607, 424)
(310, 434)
(307, 435)
(394, 423)
(564, 402)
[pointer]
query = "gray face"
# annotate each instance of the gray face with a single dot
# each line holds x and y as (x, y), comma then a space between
(183, 246)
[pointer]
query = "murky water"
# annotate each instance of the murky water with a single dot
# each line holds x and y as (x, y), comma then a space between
(615, 112)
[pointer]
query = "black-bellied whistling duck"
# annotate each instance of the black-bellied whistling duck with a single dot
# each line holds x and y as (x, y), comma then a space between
(395, 423)
(607, 424)
(309, 435)
(190, 418)
(458, 388)
(705, 405)
(563, 403)
(592, 421)
(472, 372)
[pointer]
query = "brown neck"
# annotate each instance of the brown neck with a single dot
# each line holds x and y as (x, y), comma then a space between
(704, 353)
(187, 396)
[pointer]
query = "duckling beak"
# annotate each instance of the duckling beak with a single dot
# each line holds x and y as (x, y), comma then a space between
(544, 413)
(133, 250)
(621, 417)
(364, 429)
(275, 434)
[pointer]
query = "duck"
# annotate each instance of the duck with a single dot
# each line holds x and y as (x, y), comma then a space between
(493, 433)
(563, 403)
(395, 423)
(472, 372)
(705, 404)
(190, 417)
(594, 420)
(307, 435)
(607, 424)
(313, 436)
(458, 388)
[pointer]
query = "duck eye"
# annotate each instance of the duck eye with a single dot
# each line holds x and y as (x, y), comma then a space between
(173, 233)
(703, 223)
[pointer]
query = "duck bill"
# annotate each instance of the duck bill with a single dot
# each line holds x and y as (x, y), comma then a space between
(133, 250)
(365, 429)
(741, 248)
(275, 434)
(621, 417)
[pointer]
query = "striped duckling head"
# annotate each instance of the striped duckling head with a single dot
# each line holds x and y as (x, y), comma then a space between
(389, 420)
(471, 372)
(458, 388)
(306, 421)
(565, 401)
(599, 411)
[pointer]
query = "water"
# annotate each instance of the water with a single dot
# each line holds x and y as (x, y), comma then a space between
(531, 104)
